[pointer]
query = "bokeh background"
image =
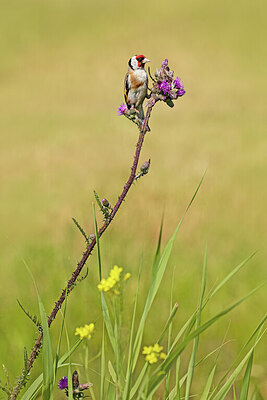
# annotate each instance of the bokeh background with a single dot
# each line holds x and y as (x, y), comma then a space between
(61, 78)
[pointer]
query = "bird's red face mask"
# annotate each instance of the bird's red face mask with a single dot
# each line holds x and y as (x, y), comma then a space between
(141, 60)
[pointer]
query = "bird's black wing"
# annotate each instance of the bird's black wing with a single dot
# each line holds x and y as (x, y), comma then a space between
(127, 87)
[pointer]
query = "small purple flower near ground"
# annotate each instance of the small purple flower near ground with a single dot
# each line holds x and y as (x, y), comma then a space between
(63, 383)
(122, 109)
(77, 388)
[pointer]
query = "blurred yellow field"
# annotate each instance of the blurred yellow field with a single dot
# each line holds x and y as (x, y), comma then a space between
(61, 81)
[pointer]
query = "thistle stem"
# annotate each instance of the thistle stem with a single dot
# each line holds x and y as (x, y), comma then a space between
(37, 345)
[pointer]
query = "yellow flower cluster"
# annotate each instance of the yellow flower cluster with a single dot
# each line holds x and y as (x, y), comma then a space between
(85, 331)
(109, 284)
(153, 353)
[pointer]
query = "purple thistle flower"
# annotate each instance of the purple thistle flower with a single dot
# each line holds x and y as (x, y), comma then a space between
(165, 63)
(63, 383)
(181, 92)
(164, 86)
(122, 109)
(177, 83)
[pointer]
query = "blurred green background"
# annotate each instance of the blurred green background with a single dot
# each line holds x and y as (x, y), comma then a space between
(61, 78)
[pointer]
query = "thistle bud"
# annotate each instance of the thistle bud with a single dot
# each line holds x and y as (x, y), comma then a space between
(105, 203)
(92, 236)
(169, 102)
(145, 167)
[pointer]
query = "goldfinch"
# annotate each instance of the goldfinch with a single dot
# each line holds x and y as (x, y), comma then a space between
(135, 85)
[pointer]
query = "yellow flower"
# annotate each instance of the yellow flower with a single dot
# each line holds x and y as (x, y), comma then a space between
(153, 353)
(109, 284)
(157, 348)
(115, 273)
(147, 349)
(85, 331)
(127, 276)
(151, 358)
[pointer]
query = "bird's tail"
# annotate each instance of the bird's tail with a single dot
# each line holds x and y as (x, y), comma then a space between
(141, 116)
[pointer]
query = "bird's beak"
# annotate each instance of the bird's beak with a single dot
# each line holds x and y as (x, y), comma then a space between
(145, 60)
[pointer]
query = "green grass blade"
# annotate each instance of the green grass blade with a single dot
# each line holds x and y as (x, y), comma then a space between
(86, 363)
(234, 393)
(183, 329)
(211, 353)
(169, 327)
(256, 331)
(177, 383)
(107, 321)
(138, 381)
(154, 286)
(34, 389)
(60, 334)
(192, 362)
(206, 390)
(70, 386)
(128, 379)
(168, 323)
(231, 274)
(194, 195)
(246, 379)
(103, 369)
(157, 254)
(209, 382)
(112, 372)
(117, 353)
(142, 393)
(175, 390)
(111, 391)
(48, 366)
(68, 353)
(157, 274)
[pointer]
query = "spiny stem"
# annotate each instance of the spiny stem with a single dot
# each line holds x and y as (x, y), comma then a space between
(36, 348)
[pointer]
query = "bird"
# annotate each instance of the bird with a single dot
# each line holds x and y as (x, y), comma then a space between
(135, 85)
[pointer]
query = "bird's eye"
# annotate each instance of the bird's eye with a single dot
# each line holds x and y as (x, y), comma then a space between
(140, 58)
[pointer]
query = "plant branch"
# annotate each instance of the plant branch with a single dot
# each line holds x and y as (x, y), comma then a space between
(36, 348)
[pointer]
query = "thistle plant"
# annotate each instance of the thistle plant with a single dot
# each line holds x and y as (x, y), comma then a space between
(158, 93)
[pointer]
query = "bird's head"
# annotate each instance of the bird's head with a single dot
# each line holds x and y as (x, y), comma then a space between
(138, 62)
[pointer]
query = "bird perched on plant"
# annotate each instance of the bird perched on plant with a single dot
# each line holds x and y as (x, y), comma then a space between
(135, 85)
